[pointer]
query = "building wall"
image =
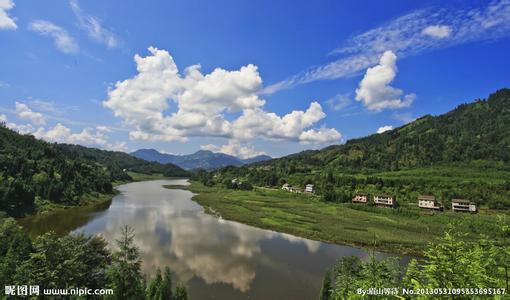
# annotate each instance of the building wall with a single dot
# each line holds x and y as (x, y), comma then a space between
(359, 198)
(383, 200)
(426, 203)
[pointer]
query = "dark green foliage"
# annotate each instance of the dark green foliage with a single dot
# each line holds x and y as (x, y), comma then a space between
(50, 261)
(351, 273)
(77, 261)
(450, 262)
(160, 287)
(15, 248)
(243, 185)
(124, 274)
(33, 172)
(180, 293)
(117, 161)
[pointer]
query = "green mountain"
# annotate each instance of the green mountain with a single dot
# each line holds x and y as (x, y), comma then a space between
(475, 131)
(36, 174)
(463, 153)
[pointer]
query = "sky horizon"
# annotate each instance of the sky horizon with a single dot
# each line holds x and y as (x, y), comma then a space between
(242, 78)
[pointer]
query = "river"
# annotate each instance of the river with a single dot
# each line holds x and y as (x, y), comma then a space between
(214, 258)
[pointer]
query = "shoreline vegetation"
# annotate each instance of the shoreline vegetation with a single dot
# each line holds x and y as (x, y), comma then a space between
(70, 213)
(44, 207)
(402, 231)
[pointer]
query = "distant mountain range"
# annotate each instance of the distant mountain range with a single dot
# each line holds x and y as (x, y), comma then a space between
(202, 159)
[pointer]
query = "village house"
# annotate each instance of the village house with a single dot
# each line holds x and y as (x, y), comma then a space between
(384, 200)
(289, 188)
(360, 198)
(463, 205)
(429, 202)
(236, 181)
(309, 188)
(286, 187)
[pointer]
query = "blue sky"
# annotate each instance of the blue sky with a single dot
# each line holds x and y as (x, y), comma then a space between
(271, 77)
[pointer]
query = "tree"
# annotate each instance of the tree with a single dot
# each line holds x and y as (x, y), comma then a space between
(347, 272)
(154, 291)
(15, 248)
(180, 293)
(166, 285)
(451, 263)
(125, 276)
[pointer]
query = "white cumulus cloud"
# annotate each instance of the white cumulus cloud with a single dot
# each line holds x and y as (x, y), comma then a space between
(63, 41)
(24, 112)
(437, 31)
(200, 102)
(234, 148)
(384, 128)
(6, 21)
(63, 134)
(374, 89)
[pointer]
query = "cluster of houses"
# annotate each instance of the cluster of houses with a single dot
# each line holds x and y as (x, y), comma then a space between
(289, 188)
(462, 205)
(428, 202)
(424, 202)
(379, 200)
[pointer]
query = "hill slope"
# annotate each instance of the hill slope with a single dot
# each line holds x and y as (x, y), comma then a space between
(475, 131)
(199, 160)
(34, 173)
(464, 153)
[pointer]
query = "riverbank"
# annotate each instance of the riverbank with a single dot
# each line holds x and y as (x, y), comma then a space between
(402, 231)
(67, 214)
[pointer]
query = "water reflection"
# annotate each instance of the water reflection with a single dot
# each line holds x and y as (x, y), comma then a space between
(215, 258)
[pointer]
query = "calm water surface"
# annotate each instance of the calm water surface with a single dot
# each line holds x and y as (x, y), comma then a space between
(216, 259)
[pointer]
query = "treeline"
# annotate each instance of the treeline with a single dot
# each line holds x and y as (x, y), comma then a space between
(449, 263)
(34, 173)
(77, 261)
(118, 161)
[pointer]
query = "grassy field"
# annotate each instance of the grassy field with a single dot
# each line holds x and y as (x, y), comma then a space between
(404, 231)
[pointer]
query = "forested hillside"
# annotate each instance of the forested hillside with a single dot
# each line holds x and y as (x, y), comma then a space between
(463, 153)
(118, 161)
(35, 173)
(475, 131)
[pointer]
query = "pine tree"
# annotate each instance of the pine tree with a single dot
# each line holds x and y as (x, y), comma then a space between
(166, 285)
(154, 291)
(180, 293)
(125, 274)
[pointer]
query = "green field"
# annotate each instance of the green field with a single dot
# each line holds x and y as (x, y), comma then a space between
(404, 230)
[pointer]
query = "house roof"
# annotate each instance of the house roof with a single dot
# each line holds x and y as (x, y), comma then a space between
(461, 200)
(384, 195)
(426, 197)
